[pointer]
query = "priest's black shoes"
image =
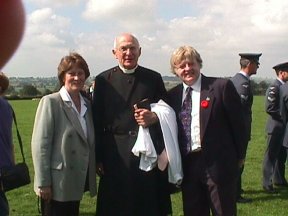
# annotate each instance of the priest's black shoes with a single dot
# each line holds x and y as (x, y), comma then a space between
(241, 199)
(269, 189)
(284, 184)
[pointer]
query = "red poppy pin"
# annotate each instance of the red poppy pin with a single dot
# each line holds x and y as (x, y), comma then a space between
(205, 103)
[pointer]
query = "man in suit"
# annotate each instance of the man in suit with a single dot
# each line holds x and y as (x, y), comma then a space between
(249, 63)
(211, 143)
(275, 127)
(120, 105)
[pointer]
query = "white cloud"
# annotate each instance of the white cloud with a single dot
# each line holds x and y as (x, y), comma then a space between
(49, 39)
(271, 16)
(45, 28)
(119, 9)
(54, 3)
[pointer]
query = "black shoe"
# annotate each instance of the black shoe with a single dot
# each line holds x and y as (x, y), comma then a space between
(284, 184)
(269, 189)
(243, 200)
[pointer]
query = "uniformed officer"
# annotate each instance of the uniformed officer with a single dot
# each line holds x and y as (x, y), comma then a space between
(275, 127)
(279, 173)
(249, 63)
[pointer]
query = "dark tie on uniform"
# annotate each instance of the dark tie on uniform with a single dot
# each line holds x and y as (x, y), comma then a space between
(185, 121)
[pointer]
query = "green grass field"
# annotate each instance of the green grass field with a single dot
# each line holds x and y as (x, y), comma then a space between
(23, 201)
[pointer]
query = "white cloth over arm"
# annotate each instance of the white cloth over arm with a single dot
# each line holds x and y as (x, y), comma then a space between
(167, 119)
(144, 144)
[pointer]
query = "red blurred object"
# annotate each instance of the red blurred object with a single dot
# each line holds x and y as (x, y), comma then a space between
(12, 24)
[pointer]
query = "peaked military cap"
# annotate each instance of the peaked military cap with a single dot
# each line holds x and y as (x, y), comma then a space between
(250, 56)
(281, 66)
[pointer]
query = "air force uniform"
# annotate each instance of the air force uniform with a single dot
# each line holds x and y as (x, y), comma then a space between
(279, 172)
(242, 84)
(275, 130)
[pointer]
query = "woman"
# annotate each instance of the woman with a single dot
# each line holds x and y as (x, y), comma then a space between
(63, 148)
(6, 147)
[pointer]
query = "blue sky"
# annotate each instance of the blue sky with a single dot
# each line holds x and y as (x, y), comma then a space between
(218, 29)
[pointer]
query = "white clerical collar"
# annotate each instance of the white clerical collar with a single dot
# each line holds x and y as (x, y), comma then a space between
(128, 71)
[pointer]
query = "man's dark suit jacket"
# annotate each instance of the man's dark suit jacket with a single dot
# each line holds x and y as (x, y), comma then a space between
(123, 186)
(221, 126)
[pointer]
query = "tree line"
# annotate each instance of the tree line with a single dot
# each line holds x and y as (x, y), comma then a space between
(30, 90)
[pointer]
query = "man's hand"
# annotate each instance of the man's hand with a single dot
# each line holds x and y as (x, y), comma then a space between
(99, 169)
(145, 117)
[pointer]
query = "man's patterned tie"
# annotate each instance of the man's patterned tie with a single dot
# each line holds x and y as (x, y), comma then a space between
(185, 123)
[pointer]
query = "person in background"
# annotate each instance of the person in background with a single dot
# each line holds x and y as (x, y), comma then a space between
(249, 63)
(91, 89)
(12, 25)
(275, 127)
(63, 143)
(279, 173)
(125, 189)
(210, 136)
(6, 144)
(279, 170)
